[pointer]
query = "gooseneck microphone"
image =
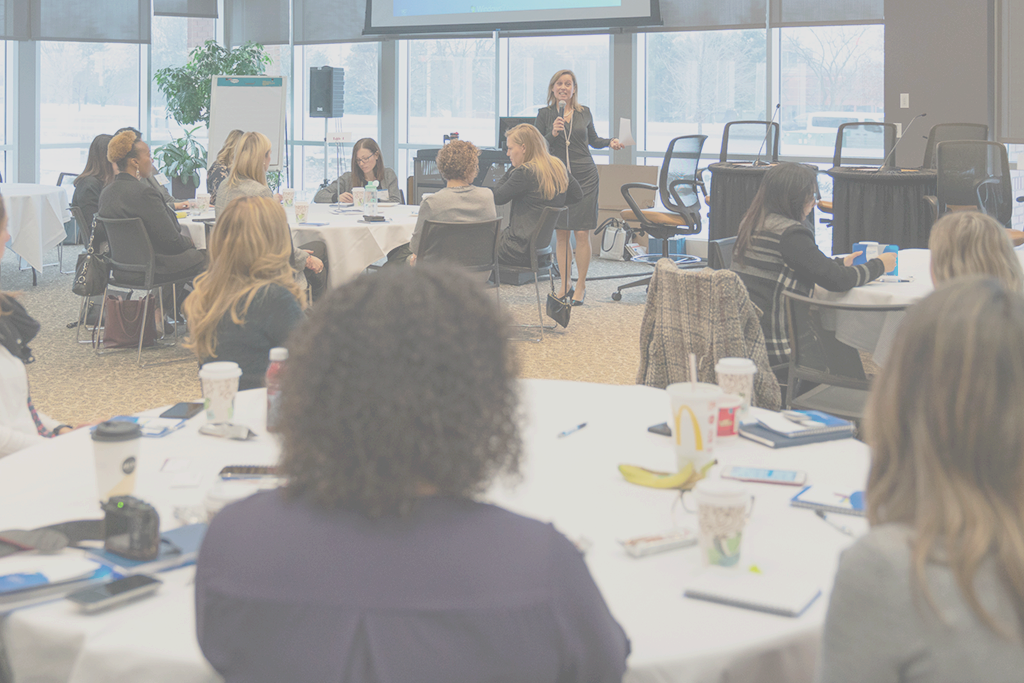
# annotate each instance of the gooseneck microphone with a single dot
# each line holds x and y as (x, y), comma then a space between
(897, 144)
(767, 132)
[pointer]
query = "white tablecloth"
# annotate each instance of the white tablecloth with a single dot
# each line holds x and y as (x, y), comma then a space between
(572, 481)
(352, 243)
(36, 216)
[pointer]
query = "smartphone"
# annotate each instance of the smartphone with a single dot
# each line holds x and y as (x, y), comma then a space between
(183, 411)
(662, 429)
(114, 593)
(248, 471)
(766, 476)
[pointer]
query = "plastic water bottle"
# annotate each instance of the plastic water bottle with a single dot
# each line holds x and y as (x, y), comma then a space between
(278, 356)
(370, 199)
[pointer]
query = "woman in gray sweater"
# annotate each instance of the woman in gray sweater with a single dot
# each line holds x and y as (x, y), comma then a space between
(935, 591)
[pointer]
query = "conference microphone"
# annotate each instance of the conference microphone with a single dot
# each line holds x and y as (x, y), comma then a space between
(767, 132)
(893, 150)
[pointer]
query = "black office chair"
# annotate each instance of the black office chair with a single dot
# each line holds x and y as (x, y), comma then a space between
(824, 373)
(63, 175)
(677, 192)
(133, 267)
(541, 256)
(470, 246)
(720, 253)
(750, 138)
(942, 132)
(865, 135)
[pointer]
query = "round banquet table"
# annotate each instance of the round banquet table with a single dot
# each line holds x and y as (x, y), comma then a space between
(36, 216)
(352, 243)
(572, 482)
(881, 206)
(733, 186)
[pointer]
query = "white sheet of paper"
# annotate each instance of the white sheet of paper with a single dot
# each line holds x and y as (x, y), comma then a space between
(626, 132)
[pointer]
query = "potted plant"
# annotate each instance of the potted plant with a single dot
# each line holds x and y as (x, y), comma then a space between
(181, 160)
(187, 91)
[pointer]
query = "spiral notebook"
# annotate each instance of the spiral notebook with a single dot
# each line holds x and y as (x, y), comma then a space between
(827, 499)
(785, 596)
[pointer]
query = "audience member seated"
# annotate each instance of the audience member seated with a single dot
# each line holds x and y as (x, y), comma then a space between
(248, 178)
(935, 591)
(21, 425)
(535, 181)
(375, 562)
(96, 175)
(128, 197)
(971, 243)
(459, 202)
(247, 302)
(776, 252)
(367, 165)
(152, 181)
(221, 165)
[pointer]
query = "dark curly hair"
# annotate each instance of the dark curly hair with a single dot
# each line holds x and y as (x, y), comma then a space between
(400, 383)
(459, 160)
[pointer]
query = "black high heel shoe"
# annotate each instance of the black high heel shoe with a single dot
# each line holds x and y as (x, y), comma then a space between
(578, 302)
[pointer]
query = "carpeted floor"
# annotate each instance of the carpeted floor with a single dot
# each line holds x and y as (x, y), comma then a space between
(72, 384)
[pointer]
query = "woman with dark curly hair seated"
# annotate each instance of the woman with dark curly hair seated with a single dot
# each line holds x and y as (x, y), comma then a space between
(374, 562)
(459, 202)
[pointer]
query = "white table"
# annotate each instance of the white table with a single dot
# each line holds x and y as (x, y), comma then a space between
(571, 481)
(36, 216)
(352, 243)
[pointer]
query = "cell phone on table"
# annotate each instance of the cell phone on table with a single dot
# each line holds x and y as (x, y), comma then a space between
(183, 411)
(762, 475)
(114, 593)
(662, 429)
(248, 471)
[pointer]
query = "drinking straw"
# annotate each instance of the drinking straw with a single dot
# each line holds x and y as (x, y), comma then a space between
(693, 371)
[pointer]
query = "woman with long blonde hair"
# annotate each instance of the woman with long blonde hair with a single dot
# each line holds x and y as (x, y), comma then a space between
(935, 591)
(536, 180)
(222, 165)
(247, 302)
(971, 243)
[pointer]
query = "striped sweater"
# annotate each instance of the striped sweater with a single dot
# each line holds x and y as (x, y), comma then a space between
(782, 256)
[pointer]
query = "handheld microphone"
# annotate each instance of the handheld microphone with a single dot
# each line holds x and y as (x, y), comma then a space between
(767, 132)
(561, 108)
(893, 150)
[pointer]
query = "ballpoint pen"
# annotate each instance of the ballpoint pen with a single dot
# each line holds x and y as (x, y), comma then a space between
(834, 525)
(572, 430)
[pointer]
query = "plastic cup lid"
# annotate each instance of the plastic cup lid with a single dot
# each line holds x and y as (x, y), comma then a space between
(116, 430)
(719, 488)
(736, 366)
(691, 389)
(730, 401)
(220, 369)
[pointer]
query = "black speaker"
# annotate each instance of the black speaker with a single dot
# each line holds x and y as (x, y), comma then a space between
(326, 92)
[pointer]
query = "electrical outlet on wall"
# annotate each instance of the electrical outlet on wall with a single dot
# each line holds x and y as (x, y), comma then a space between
(899, 130)
(904, 100)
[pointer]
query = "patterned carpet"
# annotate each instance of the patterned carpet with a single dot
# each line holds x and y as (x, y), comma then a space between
(74, 385)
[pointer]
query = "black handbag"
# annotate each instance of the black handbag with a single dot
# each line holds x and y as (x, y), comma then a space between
(91, 271)
(559, 309)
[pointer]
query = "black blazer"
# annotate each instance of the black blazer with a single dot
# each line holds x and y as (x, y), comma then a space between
(127, 197)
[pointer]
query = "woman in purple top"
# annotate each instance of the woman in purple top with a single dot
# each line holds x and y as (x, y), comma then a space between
(374, 563)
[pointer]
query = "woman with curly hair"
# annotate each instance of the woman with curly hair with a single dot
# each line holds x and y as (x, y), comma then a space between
(96, 175)
(367, 165)
(399, 406)
(535, 181)
(971, 243)
(222, 165)
(247, 302)
(935, 591)
(460, 201)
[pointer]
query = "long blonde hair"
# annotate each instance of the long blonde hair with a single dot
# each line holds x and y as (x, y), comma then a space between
(573, 102)
(250, 159)
(549, 171)
(947, 442)
(971, 243)
(250, 248)
(227, 152)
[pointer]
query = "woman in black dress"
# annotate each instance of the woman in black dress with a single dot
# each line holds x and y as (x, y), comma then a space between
(569, 129)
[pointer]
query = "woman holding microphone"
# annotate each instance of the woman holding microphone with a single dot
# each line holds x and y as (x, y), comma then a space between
(569, 130)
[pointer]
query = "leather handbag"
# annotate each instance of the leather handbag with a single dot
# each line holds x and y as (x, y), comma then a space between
(91, 271)
(124, 319)
(559, 309)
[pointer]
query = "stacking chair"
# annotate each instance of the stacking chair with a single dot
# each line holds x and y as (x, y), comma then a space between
(720, 253)
(471, 246)
(133, 267)
(541, 256)
(865, 135)
(824, 373)
(677, 191)
(941, 132)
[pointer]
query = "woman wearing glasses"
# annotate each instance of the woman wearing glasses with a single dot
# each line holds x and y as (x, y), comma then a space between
(367, 165)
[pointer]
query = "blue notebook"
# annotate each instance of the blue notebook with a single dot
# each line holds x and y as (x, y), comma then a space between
(825, 499)
(180, 547)
(772, 439)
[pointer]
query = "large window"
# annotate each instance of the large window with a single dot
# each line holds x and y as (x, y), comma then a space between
(533, 61)
(173, 39)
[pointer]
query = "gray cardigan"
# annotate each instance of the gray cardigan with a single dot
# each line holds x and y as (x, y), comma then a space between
(343, 184)
(469, 204)
(880, 629)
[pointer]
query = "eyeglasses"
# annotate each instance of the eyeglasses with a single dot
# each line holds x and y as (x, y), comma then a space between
(364, 160)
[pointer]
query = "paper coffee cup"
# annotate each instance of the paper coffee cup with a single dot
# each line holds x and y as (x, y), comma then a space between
(301, 209)
(225, 492)
(736, 376)
(289, 196)
(202, 201)
(729, 408)
(722, 510)
(115, 447)
(220, 386)
(694, 422)
(357, 196)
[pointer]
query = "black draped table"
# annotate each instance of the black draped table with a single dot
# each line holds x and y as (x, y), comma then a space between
(881, 206)
(733, 186)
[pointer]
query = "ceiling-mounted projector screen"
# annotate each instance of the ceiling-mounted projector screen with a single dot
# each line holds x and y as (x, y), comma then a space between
(438, 16)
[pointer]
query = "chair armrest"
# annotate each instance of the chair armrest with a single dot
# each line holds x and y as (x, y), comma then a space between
(637, 211)
(932, 203)
(695, 184)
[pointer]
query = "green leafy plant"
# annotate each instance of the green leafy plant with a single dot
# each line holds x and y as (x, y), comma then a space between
(274, 180)
(182, 158)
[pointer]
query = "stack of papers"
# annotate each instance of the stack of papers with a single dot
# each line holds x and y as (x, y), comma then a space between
(795, 428)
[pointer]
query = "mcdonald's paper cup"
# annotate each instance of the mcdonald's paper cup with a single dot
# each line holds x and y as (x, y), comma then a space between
(694, 422)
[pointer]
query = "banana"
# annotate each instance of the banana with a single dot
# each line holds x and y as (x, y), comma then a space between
(683, 479)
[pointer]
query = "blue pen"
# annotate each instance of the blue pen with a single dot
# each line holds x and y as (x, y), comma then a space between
(577, 428)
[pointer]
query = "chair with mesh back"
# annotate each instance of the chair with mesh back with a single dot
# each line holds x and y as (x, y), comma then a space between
(471, 246)
(541, 256)
(865, 139)
(677, 191)
(750, 139)
(941, 132)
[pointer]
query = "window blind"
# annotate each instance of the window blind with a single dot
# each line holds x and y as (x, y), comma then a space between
(14, 20)
(818, 12)
(98, 21)
(199, 9)
(690, 14)
(329, 21)
(257, 21)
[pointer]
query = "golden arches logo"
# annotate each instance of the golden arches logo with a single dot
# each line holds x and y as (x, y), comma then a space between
(699, 441)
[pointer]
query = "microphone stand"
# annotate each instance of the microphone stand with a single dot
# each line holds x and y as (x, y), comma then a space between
(897, 143)
(767, 134)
